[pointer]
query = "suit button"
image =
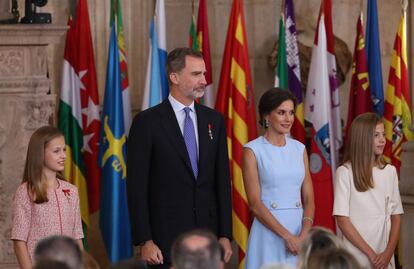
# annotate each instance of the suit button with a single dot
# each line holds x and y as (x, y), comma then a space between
(274, 205)
(298, 204)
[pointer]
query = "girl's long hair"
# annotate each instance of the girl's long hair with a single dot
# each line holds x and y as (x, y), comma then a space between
(359, 151)
(35, 159)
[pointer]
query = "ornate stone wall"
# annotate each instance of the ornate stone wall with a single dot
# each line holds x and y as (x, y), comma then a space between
(25, 105)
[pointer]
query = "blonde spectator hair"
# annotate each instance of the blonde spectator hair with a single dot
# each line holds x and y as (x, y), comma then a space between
(359, 151)
(276, 266)
(318, 238)
(35, 159)
(333, 258)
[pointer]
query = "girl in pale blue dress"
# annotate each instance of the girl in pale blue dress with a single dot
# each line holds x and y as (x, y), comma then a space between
(278, 185)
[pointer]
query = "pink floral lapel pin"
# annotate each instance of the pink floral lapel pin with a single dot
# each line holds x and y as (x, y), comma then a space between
(210, 133)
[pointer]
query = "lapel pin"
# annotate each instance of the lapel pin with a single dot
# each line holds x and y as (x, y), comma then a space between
(66, 192)
(210, 133)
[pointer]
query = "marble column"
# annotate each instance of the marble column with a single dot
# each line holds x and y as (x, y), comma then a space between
(25, 104)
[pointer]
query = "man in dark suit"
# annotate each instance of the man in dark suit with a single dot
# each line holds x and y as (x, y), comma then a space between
(177, 165)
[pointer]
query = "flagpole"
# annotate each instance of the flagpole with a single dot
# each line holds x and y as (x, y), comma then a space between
(73, 4)
(155, 8)
(404, 5)
(192, 7)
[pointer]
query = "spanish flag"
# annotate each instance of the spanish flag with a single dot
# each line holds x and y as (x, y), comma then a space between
(397, 111)
(235, 101)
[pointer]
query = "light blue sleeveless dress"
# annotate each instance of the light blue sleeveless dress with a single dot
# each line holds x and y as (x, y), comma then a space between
(281, 173)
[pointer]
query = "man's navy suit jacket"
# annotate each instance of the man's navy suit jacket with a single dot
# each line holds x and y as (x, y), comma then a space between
(164, 197)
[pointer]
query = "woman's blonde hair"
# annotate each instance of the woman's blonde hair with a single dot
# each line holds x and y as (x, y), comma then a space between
(359, 151)
(318, 238)
(35, 159)
(333, 258)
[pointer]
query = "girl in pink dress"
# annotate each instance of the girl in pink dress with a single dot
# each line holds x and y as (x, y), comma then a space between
(44, 204)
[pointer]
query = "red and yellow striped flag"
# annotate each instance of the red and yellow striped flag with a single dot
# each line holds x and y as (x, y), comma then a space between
(397, 112)
(236, 102)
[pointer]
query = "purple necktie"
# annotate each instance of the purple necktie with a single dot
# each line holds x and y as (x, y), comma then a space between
(190, 140)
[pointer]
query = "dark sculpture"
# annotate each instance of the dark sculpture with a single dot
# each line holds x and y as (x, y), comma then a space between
(8, 12)
(31, 16)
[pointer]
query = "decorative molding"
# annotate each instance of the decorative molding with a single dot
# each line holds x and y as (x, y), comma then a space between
(38, 86)
(29, 34)
(11, 61)
(6, 122)
(38, 61)
(40, 111)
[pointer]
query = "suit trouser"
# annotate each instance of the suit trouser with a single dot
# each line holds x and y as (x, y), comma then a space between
(166, 265)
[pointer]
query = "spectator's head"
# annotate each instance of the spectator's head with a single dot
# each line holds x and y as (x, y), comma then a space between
(276, 266)
(196, 249)
(48, 264)
(132, 263)
(317, 239)
(59, 248)
(333, 258)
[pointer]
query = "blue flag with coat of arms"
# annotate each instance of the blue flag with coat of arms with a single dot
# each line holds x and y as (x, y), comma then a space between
(114, 218)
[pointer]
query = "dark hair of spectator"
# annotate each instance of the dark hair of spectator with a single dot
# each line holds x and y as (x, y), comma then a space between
(209, 257)
(272, 99)
(333, 258)
(59, 248)
(50, 264)
(132, 263)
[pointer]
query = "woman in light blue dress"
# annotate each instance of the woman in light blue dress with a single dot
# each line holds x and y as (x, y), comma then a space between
(278, 185)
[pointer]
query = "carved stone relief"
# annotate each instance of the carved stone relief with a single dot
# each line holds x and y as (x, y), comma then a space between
(20, 116)
(25, 105)
(11, 61)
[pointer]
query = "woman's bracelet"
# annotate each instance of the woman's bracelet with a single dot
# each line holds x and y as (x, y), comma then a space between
(308, 219)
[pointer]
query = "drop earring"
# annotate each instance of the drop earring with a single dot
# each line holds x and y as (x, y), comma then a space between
(266, 123)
